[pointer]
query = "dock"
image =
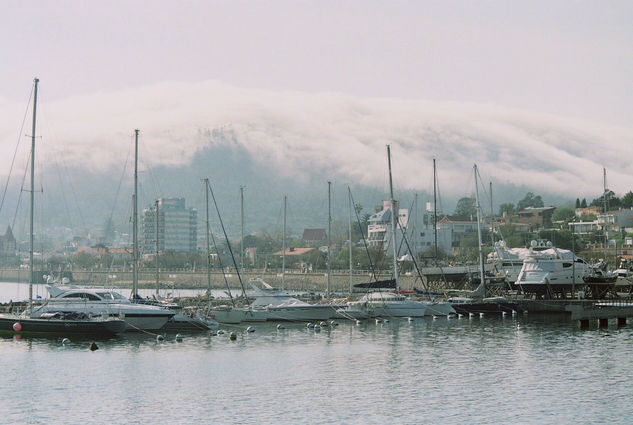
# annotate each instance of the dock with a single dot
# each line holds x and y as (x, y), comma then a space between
(584, 311)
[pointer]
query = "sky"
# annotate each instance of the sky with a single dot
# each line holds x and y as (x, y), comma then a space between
(537, 92)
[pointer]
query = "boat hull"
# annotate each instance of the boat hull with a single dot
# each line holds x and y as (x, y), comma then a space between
(34, 326)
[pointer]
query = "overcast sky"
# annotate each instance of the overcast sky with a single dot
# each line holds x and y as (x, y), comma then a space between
(564, 57)
(567, 60)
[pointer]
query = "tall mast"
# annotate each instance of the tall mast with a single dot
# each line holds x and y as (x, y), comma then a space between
(435, 208)
(156, 239)
(492, 218)
(135, 222)
(283, 249)
(604, 207)
(329, 239)
(31, 218)
(414, 232)
(478, 208)
(242, 227)
(393, 223)
(349, 228)
(206, 197)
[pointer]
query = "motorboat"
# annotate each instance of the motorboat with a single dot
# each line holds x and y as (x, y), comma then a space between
(272, 304)
(552, 271)
(61, 324)
(98, 301)
(383, 304)
(508, 262)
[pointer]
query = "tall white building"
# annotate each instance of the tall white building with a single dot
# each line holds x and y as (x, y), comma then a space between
(177, 226)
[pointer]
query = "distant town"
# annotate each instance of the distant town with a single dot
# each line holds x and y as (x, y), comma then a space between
(599, 229)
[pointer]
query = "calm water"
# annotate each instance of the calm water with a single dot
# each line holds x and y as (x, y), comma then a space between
(520, 370)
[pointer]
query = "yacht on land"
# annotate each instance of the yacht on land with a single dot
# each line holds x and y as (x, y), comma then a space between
(552, 271)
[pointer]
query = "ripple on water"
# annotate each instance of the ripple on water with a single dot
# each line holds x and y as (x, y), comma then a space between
(483, 371)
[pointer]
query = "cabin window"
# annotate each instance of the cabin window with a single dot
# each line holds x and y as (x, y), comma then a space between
(82, 295)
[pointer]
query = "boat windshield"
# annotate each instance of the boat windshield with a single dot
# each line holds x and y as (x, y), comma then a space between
(109, 295)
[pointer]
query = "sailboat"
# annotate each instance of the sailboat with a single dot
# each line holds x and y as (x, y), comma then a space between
(479, 303)
(53, 323)
(386, 304)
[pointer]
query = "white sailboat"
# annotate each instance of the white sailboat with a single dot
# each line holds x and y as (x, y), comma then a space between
(386, 304)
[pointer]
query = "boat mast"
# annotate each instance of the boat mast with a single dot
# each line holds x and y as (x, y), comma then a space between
(156, 239)
(329, 239)
(478, 208)
(206, 197)
(242, 227)
(604, 207)
(349, 228)
(393, 223)
(135, 222)
(435, 208)
(31, 240)
(414, 232)
(283, 249)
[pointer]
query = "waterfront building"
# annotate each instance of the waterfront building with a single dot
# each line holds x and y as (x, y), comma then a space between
(177, 226)
(379, 226)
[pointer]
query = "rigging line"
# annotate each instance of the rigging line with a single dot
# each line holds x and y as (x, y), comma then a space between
(15, 152)
(118, 189)
(74, 193)
(61, 185)
(228, 243)
(17, 206)
(362, 235)
(151, 173)
(415, 263)
(209, 232)
(226, 282)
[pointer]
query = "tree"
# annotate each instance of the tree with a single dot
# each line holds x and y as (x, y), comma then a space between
(577, 202)
(612, 201)
(466, 206)
(627, 200)
(507, 209)
(530, 200)
(563, 214)
(583, 203)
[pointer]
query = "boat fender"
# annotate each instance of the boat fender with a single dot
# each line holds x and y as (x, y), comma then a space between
(65, 341)
(160, 338)
(250, 329)
(323, 324)
(310, 325)
(333, 323)
(17, 326)
(317, 328)
(220, 332)
(178, 338)
(233, 336)
(280, 326)
(93, 346)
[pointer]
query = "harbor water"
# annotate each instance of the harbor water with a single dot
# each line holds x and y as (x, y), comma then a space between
(486, 370)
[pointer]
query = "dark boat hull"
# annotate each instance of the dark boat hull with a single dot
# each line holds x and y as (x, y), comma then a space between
(28, 326)
(499, 307)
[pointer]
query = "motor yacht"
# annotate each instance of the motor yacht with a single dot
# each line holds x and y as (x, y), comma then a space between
(99, 301)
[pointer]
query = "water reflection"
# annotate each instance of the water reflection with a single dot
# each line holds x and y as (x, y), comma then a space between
(519, 369)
